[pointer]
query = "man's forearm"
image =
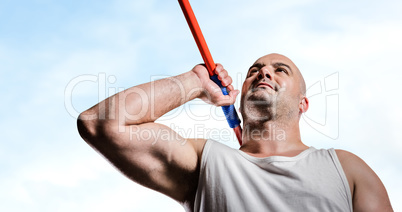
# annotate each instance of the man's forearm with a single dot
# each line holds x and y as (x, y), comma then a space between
(146, 102)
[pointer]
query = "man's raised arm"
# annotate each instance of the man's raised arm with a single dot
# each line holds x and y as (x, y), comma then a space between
(122, 129)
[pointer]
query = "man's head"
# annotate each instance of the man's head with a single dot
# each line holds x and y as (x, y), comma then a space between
(274, 89)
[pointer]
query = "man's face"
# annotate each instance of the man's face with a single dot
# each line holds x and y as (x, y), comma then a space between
(273, 88)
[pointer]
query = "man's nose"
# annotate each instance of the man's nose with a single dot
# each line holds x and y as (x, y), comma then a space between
(264, 72)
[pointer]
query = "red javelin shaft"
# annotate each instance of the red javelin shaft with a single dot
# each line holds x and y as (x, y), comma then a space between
(204, 50)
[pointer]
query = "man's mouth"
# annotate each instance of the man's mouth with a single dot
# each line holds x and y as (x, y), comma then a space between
(264, 84)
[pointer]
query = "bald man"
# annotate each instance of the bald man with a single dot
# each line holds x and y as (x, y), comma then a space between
(272, 171)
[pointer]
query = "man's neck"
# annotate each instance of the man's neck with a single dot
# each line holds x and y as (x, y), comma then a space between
(272, 138)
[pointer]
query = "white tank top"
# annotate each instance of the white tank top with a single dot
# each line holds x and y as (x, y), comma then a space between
(231, 180)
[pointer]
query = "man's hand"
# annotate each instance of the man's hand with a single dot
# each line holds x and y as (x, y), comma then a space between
(212, 94)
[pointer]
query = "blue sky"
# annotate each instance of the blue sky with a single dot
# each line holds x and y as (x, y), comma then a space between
(58, 58)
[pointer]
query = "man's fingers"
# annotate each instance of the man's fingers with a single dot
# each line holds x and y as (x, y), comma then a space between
(229, 88)
(233, 94)
(219, 99)
(228, 99)
(220, 71)
(223, 75)
(226, 81)
(219, 68)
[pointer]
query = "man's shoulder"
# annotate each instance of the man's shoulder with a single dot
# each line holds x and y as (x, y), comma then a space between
(350, 162)
(356, 170)
(349, 159)
(353, 164)
(368, 192)
(343, 154)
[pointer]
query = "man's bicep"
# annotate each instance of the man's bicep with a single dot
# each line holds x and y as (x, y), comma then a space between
(154, 156)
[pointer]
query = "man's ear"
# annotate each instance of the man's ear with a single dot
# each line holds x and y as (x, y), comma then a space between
(303, 105)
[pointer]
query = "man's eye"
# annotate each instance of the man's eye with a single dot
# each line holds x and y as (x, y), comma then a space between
(253, 71)
(282, 70)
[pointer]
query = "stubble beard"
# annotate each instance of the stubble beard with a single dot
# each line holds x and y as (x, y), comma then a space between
(259, 106)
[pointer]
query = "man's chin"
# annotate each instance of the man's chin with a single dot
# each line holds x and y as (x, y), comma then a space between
(260, 94)
(257, 112)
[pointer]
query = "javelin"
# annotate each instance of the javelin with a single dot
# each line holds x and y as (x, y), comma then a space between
(229, 111)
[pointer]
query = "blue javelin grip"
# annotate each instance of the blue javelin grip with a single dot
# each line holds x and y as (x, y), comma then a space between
(229, 110)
